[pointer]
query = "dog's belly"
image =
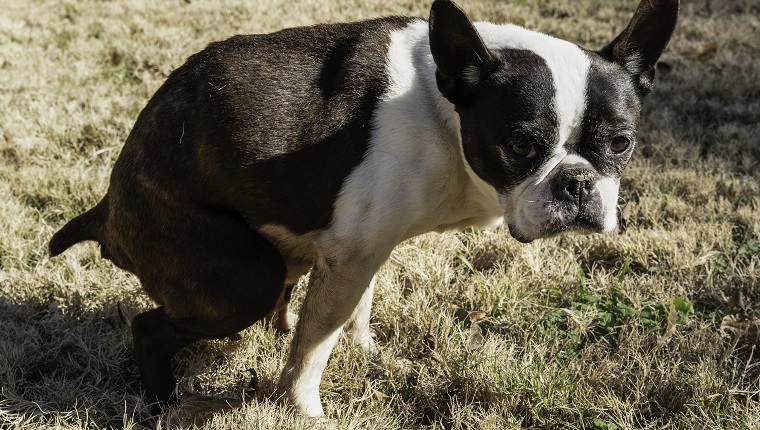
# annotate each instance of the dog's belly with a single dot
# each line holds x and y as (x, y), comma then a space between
(298, 250)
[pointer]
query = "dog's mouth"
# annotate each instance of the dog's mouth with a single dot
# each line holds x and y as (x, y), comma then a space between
(579, 224)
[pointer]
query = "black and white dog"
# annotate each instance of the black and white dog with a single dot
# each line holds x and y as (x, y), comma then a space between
(321, 148)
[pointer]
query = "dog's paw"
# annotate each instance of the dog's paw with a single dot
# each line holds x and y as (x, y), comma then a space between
(310, 406)
(368, 343)
(365, 339)
(303, 397)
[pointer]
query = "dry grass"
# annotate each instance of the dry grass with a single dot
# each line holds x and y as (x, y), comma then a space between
(605, 332)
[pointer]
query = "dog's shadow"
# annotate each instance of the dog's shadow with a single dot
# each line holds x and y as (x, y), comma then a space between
(57, 359)
(73, 363)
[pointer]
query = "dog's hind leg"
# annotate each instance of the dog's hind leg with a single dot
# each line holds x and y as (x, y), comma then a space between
(159, 336)
(156, 340)
(211, 293)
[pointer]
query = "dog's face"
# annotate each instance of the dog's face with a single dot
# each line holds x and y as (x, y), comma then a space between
(554, 155)
(548, 125)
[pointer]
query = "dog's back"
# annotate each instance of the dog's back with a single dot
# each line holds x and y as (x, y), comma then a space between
(219, 133)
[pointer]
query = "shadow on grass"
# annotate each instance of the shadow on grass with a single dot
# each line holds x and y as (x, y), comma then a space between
(73, 364)
(706, 108)
(67, 365)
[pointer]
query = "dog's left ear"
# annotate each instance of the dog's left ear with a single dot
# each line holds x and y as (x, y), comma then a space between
(460, 55)
(640, 45)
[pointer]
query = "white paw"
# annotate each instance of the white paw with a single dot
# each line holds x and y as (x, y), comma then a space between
(365, 339)
(308, 404)
(368, 344)
(303, 396)
(313, 408)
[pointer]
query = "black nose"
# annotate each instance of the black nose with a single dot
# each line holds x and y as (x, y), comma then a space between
(576, 182)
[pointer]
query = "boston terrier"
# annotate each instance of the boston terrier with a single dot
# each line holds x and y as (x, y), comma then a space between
(319, 149)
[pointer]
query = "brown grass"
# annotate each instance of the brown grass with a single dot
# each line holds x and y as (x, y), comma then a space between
(605, 332)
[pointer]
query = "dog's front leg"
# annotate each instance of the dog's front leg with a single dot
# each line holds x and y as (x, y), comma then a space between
(335, 290)
(357, 328)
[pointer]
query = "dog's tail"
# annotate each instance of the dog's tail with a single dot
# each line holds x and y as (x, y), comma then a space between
(84, 227)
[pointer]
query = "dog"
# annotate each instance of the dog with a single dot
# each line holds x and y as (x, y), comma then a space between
(319, 149)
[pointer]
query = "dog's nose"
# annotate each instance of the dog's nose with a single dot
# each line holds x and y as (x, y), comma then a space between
(576, 182)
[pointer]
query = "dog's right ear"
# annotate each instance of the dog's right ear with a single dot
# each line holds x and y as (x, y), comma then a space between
(460, 55)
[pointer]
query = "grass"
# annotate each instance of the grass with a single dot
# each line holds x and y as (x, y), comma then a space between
(655, 326)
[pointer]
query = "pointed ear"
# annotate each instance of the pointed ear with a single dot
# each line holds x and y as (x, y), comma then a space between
(640, 45)
(460, 55)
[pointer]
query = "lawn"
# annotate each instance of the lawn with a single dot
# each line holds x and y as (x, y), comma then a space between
(654, 326)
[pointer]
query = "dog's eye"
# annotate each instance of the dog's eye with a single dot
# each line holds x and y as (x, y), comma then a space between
(524, 150)
(619, 144)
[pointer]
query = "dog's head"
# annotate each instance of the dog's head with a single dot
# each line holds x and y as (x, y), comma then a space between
(550, 126)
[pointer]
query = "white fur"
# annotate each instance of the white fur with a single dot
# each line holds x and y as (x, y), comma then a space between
(530, 203)
(414, 179)
(357, 328)
(299, 251)
(608, 187)
(575, 159)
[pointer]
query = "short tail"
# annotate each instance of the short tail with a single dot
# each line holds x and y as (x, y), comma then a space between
(84, 227)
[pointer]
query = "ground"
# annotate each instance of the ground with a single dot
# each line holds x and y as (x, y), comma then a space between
(654, 326)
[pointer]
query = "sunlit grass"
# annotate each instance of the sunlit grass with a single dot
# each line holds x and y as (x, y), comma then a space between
(475, 330)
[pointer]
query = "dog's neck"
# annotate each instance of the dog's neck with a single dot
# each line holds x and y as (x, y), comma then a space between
(417, 133)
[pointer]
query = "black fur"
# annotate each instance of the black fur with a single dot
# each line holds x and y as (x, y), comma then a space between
(84, 227)
(613, 108)
(640, 45)
(456, 46)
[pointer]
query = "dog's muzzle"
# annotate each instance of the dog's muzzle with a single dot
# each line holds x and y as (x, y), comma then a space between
(577, 200)
(573, 197)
